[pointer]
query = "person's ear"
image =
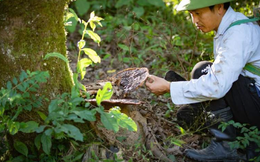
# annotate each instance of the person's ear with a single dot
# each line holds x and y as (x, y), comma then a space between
(220, 9)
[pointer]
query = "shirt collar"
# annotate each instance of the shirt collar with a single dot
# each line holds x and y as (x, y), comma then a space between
(227, 19)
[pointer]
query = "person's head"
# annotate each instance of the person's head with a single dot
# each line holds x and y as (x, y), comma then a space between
(206, 14)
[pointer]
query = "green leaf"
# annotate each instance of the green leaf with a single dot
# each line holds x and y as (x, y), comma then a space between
(82, 87)
(92, 25)
(75, 118)
(95, 37)
(182, 130)
(82, 6)
(53, 105)
(28, 107)
(49, 132)
(46, 143)
(9, 85)
(77, 100)
(92, 15)
(20, 158)
(29, 126)
(71, 14)
(21, 148)
(81, 44)
(21, 88)
(143, 3)
(71, 24)
(22, 76)
(57, 55)
(25, 85)
(139, 11)
(122, 119)
(86, 114)
(2, 110)
(42, 115)
(109, 121)
(126, 59)
(81, 67)
(177, 142)
(104, 94)
(123, 47)
(75, 92)
(157, 3)
(121, 3)
(37, 141)
(78, 157)
(13, 127)
(73, 132)
(15, 81)
(40, 129)
(92, 55)
(95, 18)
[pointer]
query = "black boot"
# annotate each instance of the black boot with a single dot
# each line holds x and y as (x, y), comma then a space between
(218, 149)
(251, 153)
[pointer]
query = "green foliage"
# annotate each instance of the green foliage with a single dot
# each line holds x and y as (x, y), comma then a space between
(21, 147)
(18, 96)
(93, 57)
(104, 94)
(58, 124)
(114, 118)
(62, 110)
(248, 134)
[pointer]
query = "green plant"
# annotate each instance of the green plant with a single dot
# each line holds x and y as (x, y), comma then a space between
(143, 154)
(64, 111)
(248, 134)
(68, 107)
(20, 95)
(114, 118)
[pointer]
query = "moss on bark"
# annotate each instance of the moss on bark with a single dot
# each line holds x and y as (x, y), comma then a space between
(29, 30)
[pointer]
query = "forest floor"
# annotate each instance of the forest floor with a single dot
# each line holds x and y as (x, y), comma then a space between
(159, 113)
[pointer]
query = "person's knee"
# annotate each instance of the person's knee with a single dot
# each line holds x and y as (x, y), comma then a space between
(200, 69)
(187, 115)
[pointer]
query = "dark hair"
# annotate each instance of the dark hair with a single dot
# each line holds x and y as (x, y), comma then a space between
(226, 5)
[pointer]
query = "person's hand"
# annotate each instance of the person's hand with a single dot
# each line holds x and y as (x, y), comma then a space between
(157, 85)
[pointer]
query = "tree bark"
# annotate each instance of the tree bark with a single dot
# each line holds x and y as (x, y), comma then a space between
(29, 29)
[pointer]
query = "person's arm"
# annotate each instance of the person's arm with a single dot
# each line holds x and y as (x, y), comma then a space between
(233, 50)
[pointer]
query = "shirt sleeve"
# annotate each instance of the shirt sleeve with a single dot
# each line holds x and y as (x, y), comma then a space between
(232, 51)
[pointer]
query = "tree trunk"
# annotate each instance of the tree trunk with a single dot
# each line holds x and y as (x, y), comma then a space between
(29, 29)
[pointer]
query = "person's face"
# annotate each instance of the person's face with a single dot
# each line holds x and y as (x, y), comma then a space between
(207, 20)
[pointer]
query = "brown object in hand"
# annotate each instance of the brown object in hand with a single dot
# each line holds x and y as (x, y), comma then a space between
(132, 78)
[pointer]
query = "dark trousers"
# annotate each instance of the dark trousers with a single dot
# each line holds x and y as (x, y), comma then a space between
(242, 99)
